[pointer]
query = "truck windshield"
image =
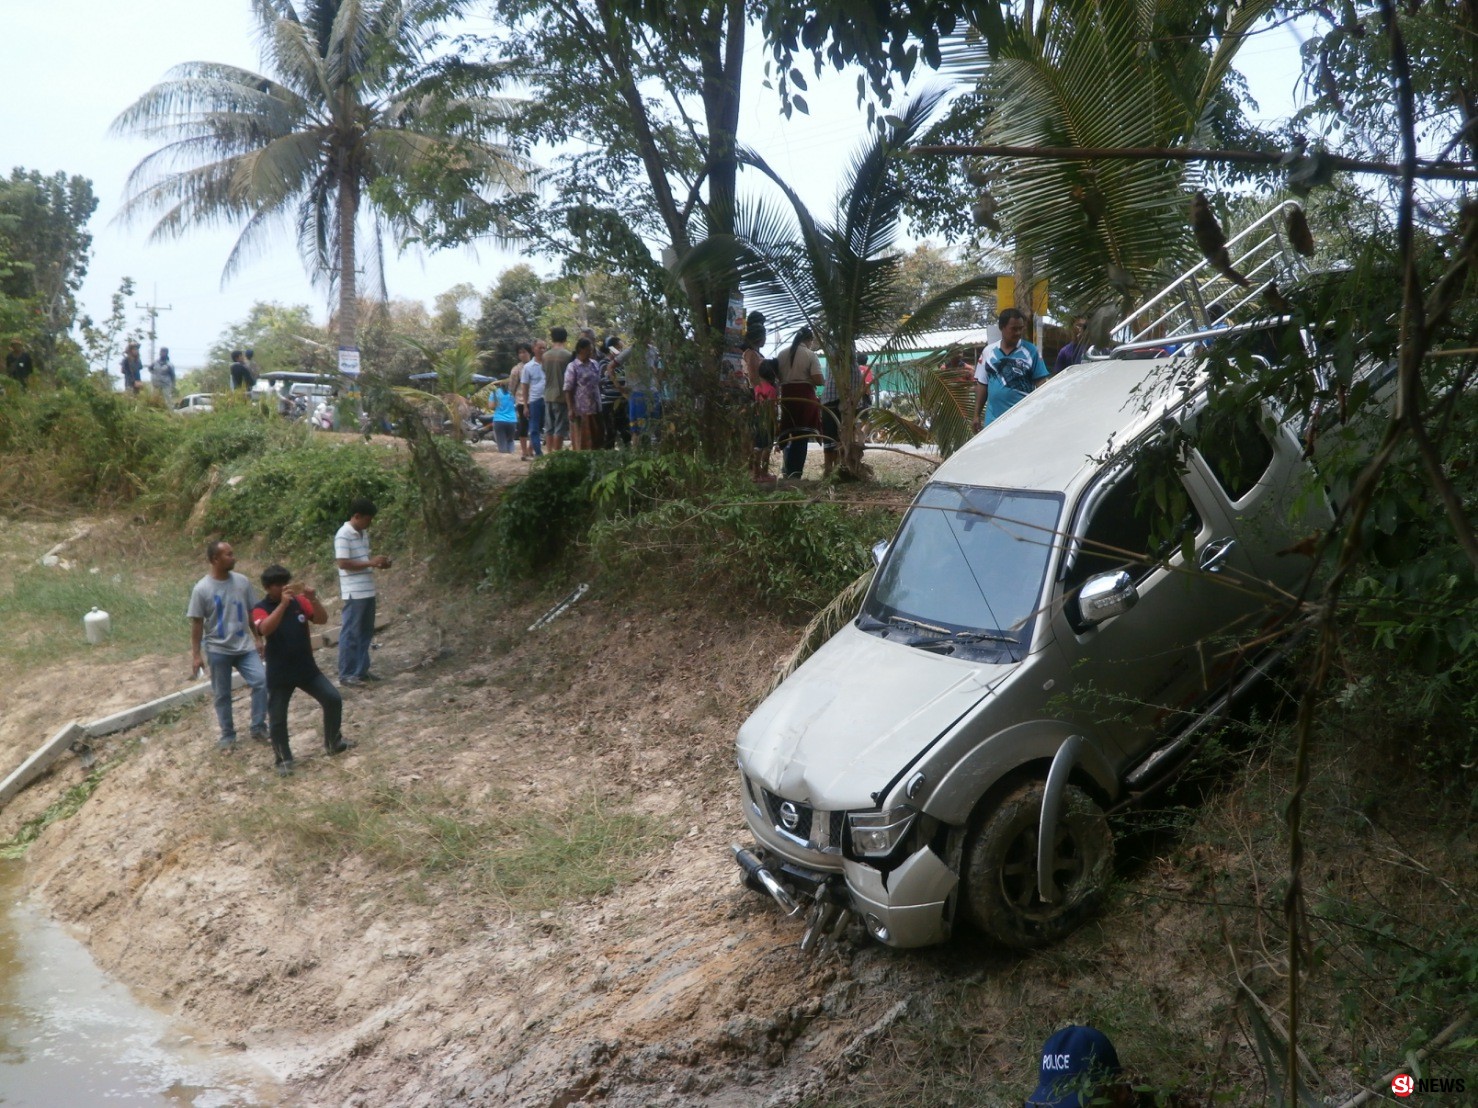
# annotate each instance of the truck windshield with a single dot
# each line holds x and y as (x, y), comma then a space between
(968, 564)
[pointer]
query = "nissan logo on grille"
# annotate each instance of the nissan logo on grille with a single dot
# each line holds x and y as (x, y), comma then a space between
(790, 816)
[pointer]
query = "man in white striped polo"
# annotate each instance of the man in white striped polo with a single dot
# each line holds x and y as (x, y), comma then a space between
(357, 590)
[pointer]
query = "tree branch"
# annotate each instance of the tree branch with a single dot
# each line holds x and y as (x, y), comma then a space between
(1427, 171)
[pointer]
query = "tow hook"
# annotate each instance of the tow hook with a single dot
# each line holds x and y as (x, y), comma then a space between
(756, 871)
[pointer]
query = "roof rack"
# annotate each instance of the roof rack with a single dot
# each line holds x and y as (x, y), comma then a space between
(1201, 299)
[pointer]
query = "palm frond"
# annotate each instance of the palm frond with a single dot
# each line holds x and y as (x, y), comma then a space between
(826, 623)
(335, 114)
(1100, 73)
(894, 427)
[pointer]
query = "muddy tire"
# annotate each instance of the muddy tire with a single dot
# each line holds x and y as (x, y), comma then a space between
(999, 893)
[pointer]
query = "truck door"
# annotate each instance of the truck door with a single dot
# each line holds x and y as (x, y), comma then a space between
(1140, 675)
(1255, 466)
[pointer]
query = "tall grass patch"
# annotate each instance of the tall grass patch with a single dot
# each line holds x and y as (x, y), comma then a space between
(540, 521)
(525, 859)
(43, 608)
(81, 446)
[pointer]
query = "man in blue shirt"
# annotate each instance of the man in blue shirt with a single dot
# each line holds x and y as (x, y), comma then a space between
(1008, 370)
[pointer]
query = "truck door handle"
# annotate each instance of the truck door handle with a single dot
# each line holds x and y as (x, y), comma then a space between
(1215, 553)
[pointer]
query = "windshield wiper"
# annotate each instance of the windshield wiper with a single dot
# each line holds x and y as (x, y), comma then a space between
(984, 636)
(900, 621)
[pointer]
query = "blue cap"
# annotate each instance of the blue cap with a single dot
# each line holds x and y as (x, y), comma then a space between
(1073, 1060)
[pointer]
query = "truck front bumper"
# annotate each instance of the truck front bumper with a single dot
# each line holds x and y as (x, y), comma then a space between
(908, 906)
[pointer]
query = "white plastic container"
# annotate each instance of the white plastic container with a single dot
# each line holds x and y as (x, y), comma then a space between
(97, 625)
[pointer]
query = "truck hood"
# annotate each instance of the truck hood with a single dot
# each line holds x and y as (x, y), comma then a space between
(858, 711)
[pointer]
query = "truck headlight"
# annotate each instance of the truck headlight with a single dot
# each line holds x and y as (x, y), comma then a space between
(875, 834)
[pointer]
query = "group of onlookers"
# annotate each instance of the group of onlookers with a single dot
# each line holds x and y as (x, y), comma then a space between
(789, 415)
(559, 394)
(161, 373)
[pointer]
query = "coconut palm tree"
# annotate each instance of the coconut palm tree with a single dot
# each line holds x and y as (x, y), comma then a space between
(838, 277)
(1102, 73)
(349, 103)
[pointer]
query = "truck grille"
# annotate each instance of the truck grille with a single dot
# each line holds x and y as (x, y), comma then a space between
(818, 830)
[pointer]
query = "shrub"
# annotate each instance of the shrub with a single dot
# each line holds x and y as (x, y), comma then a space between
(79, 445)
(224, 440)
(540, 519)
(296, 499)
(779, 548)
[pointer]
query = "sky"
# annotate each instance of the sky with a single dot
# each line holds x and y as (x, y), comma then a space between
(72, 65)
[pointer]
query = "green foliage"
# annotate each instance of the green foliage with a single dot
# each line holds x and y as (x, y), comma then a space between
(294, 500)
(779, 549)
(1108, 74)
(283, 337)
(64, 807)
(103, 343)
(840, 277)
(655, 126)
(930, 270)
(540, 519)
(665, 516)
(82, 445)
(44, 248)
(1347, 69)
(454, 366)
(219, 441)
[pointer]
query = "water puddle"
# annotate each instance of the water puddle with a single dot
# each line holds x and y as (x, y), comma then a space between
(70, 1035)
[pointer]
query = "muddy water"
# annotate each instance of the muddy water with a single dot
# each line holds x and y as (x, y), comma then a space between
(70, 1036)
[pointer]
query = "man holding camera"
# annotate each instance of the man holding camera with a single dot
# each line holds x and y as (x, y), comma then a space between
(357, 590)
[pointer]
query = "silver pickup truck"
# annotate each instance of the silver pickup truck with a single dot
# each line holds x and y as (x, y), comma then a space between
(1043, 641)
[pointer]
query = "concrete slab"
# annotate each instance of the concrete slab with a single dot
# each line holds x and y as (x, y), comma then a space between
(54, 747)
(40, 761)
(142, 713)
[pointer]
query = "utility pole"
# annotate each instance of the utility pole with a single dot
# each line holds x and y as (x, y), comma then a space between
(152, 311)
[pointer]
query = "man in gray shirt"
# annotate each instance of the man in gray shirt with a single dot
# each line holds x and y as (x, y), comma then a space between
(220, 625)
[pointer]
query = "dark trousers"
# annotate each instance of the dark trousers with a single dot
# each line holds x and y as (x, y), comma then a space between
(615, 424)
(321, 689)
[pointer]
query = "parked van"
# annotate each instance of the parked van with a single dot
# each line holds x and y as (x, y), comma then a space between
(1056, 620)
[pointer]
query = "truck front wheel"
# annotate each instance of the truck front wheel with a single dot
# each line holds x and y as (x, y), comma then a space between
(1000, 895)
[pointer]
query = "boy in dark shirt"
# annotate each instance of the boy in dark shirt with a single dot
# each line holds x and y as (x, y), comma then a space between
(282, 618)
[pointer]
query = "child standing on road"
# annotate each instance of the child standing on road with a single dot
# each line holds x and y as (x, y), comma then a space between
(282, 618)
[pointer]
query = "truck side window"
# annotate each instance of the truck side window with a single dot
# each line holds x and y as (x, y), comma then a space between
(1235, 449)
(1122, 535)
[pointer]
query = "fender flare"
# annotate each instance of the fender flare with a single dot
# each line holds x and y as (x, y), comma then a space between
(953, 798)
(1063, 764)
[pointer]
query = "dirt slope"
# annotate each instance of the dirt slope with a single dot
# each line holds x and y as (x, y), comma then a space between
(360, 974)
(359, 985)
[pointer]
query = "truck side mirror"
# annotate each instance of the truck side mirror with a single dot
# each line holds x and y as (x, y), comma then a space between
(1106, 595)
(879, 551)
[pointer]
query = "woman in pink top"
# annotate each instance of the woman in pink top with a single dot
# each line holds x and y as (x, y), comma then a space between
(582, 393)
